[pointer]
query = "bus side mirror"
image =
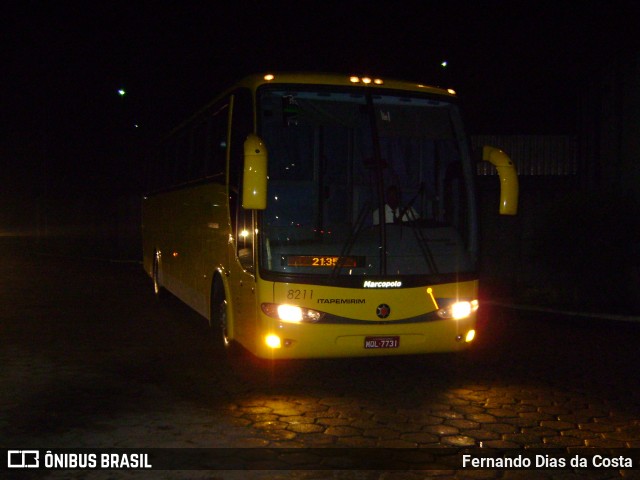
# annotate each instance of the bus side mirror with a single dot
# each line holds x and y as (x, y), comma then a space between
(254, 179)
(508, 178)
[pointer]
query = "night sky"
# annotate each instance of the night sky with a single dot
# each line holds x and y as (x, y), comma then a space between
(518, 67)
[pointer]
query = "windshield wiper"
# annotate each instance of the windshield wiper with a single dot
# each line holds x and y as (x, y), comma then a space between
(423, 243)
(353, 236)
(379, 166)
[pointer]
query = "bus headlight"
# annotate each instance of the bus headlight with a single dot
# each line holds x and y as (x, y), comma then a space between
(291, 313)
(458, 310)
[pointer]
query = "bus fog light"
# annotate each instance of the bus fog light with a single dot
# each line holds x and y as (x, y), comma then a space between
(273, 341)
(471, 334)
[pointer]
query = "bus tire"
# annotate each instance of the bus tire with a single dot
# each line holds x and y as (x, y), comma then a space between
(219, 317)
(159, 291)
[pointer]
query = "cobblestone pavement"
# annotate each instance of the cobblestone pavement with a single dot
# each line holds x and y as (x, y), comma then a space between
(90, 359)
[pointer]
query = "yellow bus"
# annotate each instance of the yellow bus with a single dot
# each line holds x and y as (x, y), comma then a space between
(320, 215)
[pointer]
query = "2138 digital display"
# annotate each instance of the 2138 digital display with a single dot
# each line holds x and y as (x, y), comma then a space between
(321, 261)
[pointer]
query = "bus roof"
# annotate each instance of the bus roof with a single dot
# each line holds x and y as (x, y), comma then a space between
(254, 81)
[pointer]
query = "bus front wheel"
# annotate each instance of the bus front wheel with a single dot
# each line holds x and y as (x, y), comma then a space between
(158, 289)
(219, 317)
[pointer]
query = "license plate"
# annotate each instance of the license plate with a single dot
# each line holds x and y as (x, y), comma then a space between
(381, 342)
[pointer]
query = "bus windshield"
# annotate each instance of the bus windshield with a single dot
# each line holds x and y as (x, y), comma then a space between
(364, 183)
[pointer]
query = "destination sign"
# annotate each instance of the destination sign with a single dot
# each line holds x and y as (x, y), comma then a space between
(322, 261)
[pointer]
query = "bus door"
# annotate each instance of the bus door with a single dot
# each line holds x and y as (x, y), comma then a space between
(242, 281)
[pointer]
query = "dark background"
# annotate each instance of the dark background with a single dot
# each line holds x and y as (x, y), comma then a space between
(71, 151)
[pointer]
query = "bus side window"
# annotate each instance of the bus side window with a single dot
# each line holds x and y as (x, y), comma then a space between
(180, 159)
(242, 220)
(244, 238)
(157, 166)
(199, 144)
(217, 147)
